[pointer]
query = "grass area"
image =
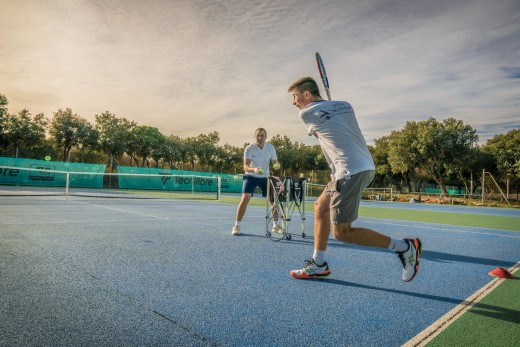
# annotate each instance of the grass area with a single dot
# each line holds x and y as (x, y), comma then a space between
(494, 321)
(461, 219)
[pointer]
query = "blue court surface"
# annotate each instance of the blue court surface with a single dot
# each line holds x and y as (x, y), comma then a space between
(113, 272)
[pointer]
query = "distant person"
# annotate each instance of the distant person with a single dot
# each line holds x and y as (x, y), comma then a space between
(416, 201)
(257, 157)
(334, 124)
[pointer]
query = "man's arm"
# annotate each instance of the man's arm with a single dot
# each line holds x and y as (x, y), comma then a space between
(248, 168)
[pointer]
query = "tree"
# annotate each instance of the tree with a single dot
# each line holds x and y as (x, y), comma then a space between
(3, 115)
(432, 147)
(204, 150)
(114, 133)
(380, 154)
(505, 149)
(71, 131)
(24, 132)
(144, 140)
(286, 151)
(230, 158)
(403, 158)
(173, 151)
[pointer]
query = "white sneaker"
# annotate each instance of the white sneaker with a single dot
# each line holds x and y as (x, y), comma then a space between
(277, 229)
(235, 230)
(410, 259)
(311, 270)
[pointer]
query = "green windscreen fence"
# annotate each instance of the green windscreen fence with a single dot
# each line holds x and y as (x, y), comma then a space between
(32, 172)
(19, 172)
(131, 177)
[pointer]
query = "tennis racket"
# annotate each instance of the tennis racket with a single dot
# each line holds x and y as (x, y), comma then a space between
(323, 74)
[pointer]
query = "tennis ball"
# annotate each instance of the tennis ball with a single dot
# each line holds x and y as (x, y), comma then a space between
(276, 166)
(260, 170)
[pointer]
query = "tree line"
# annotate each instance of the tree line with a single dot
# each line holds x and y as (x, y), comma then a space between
(445, 152)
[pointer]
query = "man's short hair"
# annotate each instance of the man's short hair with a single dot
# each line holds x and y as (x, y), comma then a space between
(261, 129)
(305, 84)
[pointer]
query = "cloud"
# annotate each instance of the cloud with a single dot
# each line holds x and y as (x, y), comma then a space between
(191, 67)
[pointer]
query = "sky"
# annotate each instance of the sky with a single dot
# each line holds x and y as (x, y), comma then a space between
(191, 67)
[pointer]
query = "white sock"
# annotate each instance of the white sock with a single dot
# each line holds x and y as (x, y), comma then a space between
(319, 257)
(237, 222)
(275, 223)
(398, 246)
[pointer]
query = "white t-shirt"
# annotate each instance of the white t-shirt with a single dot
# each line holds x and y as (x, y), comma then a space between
(260, 157)
(339, 135)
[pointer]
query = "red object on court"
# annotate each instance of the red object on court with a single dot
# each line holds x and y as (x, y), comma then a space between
(502, 273)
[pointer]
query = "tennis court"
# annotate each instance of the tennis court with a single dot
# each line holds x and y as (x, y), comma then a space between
(105, 272)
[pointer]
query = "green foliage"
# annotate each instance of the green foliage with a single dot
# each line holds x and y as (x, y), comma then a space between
(113, 133)
(298, 157)
(23, 131)
(3, 114)
(71, 131)
(505, 148)
(436, 148)
(144, 140)
(203, 149)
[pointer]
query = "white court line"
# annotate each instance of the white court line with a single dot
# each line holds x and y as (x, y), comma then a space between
(150, 218)
(428, 334)
(147, 215)
(113, 220)
(367, 219)
(119, 209)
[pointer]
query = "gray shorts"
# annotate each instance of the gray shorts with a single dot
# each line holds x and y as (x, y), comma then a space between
(345, 196)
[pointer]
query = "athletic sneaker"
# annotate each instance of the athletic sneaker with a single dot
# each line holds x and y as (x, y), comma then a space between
(311, 270)
(235, 230)
(277, 229)
(410, 259)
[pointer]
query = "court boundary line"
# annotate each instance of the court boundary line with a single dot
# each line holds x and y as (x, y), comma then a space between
(437, 327)
(444, 229)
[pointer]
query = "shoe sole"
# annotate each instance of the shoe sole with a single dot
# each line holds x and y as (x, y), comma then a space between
(306, 277)
(418, 250)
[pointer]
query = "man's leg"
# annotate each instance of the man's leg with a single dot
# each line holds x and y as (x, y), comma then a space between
(242, 206)
(321, 222)
(241, 211)
(359, 236)
(408, 250)
(317, 267)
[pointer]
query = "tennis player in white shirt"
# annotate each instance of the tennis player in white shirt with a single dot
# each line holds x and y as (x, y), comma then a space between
(257, 157)
(334, 124)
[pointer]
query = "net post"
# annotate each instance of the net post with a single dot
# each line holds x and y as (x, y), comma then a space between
(483, 175)
(219, 184)
(67, 186)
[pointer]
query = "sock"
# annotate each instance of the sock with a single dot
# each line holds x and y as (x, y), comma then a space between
(398, 246)
(319, 257)
(237, 222)
(275, 223)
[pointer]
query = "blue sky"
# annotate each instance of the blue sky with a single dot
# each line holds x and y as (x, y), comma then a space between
(191, 67)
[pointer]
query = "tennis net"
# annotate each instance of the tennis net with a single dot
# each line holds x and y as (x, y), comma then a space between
(36, 181)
